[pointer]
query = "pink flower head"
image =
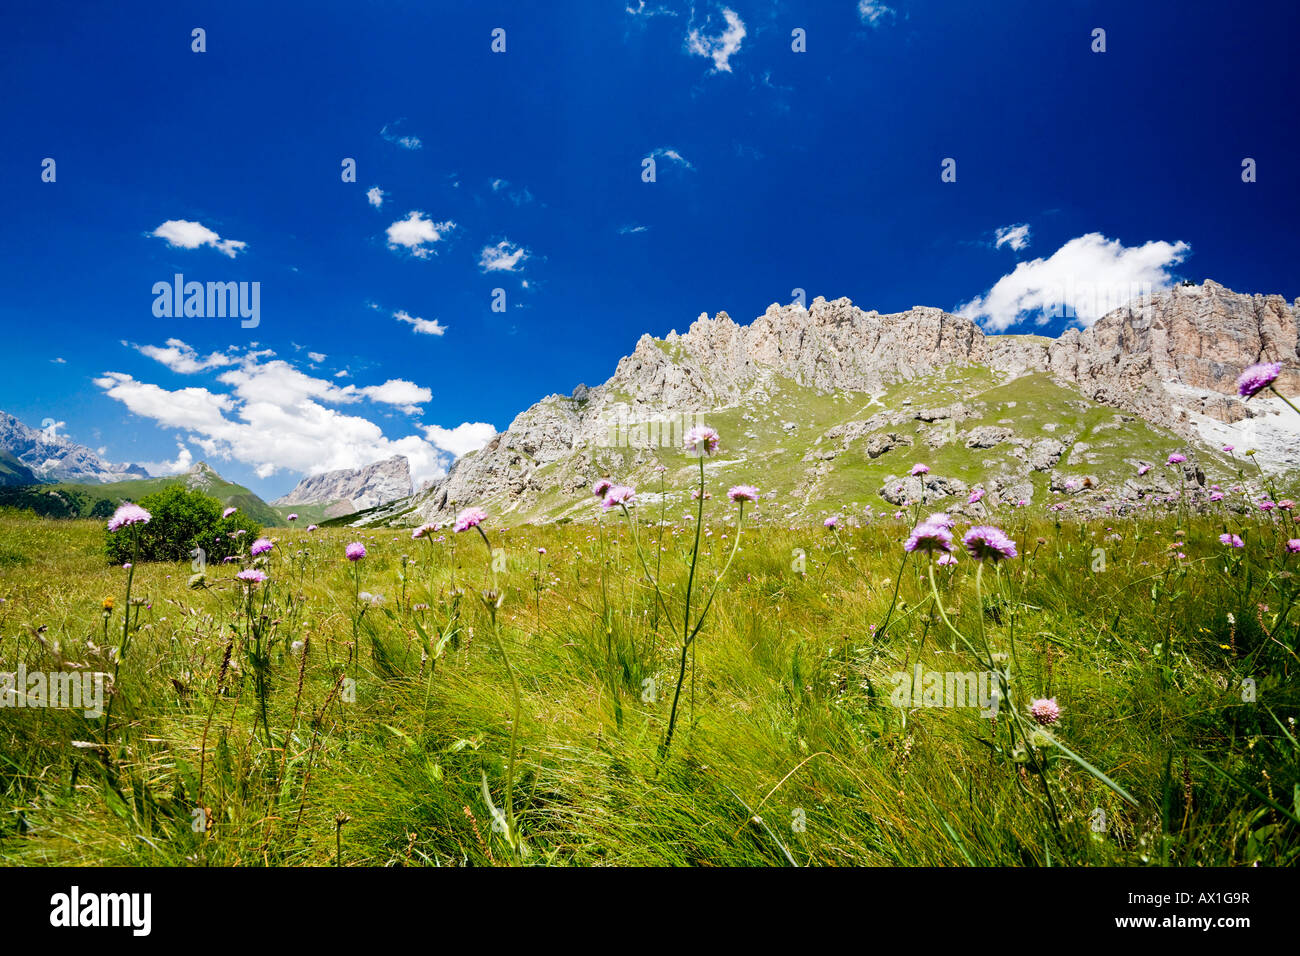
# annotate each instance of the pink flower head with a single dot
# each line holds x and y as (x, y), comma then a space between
(293, 516)
(1257, 378)
(469, 518)
(1045, 711)
(1266, 505)
(702, 438)
(1293, 546)
(311, 527)
(601, 486)
(920, 469)
(743, 493)
(1232, 540)
(986, 543)
(942, 519)
(1228, 448)
(929, 538)
(946, 559)
(1286, 504)
(128, 514)
(355, 551)
(618, 495)
(251, 577)
(228, 512)
(1176, 459)
(260, 546)
(1143, 470)
(1216, 496)
(975, 497)
(423, 531)
(832, 522)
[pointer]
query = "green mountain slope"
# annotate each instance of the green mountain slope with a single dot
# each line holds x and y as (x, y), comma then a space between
(73, 500)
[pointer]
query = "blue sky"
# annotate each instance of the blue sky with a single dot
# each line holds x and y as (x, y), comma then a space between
(523, 171)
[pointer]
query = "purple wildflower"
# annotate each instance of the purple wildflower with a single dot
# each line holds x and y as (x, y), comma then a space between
(1045, 711)
(743, 493)
(260, 546)
(920, 469)
(1232, 540)
(929, 538)
(128, 514)
(469, 518)
(985, 542)
(355, 551)
(702, 435)
(251, 577)
(1257, 378)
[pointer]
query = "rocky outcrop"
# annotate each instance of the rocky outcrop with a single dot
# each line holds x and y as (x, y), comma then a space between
(354, 489)
(1171, 359)
(51, 457)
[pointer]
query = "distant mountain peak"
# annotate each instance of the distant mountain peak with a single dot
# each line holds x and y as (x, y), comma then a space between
(810, 396)
(52, 457)
(354, 489)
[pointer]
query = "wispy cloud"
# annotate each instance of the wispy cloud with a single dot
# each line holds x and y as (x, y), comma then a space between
(873, 13)
(722, 47)
(182, 358)
(422, 326)
(519, 195)
(184, 234)
(505, 256)
(667, 152)
(375, 196)
(1017, 237)
(631, 230)
(390, 134)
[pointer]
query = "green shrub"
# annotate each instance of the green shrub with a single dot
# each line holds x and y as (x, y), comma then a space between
(181, 521)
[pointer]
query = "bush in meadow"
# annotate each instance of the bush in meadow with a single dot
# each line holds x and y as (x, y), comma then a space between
(185, 520)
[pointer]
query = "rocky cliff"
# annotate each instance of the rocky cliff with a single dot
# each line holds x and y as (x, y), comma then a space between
(1165, 366)
(354, 489)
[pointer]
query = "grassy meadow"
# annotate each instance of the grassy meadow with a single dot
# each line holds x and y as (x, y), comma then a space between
(364, 713)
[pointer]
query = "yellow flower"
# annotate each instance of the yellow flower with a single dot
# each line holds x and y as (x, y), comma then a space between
(108, 604)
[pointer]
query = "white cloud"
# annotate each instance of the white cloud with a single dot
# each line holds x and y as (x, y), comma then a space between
(464, 438)
(184, 460)
(632, 230)
(422, 326)
(59, 361)
(397, 391)
(719, 48)
(1017, 237)
(417, 234)
(182, 358)
(1083, 280)
(505, 256)
(272, 417)
(183, 234)
(375, 196)
(873, 13)
(317, 356)
(667, 152)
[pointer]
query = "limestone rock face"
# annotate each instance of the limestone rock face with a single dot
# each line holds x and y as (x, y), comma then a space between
(360, 488)
(1171, 359)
